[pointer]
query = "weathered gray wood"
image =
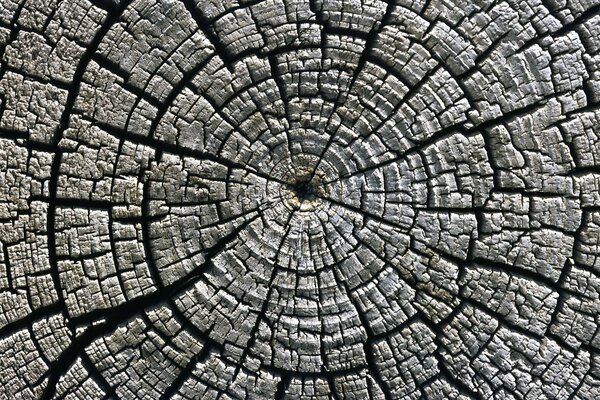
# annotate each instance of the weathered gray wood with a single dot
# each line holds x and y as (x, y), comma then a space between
(299, 199)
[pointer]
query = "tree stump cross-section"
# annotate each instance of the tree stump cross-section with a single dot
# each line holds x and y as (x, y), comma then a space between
(300, 199)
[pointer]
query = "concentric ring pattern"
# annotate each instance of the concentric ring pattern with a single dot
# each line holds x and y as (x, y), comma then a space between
(300, 199)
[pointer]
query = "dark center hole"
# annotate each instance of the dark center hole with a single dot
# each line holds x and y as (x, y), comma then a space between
(304, 190)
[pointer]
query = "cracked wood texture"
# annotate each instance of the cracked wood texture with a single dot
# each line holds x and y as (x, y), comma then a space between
(300, 199)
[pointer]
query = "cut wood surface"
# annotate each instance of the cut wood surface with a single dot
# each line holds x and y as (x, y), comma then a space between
(300, 199)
